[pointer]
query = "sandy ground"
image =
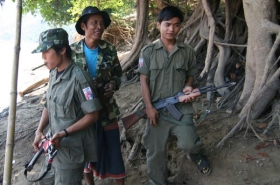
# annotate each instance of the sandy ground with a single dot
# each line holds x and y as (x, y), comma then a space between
(238, 162)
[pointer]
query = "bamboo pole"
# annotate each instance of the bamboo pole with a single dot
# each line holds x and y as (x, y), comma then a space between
(13, 100)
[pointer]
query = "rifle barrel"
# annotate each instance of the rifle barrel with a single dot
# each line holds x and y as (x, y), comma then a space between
(211, 87)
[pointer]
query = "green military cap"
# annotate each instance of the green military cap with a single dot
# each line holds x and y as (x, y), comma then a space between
(51, 37)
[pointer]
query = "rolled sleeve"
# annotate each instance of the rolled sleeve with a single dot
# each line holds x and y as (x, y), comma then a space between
(91, 106)
(87, 95)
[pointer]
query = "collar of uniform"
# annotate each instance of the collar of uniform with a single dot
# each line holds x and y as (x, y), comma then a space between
(159, 44)
(77, 47)
(102, 44)
(67, 73)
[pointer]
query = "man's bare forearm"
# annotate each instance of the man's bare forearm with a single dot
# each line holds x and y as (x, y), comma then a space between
(44, 121)
(145, 91)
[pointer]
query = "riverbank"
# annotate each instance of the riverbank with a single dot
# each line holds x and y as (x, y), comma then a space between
(31, 27)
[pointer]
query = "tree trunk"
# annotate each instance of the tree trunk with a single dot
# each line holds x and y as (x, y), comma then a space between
(260, 43)
(141, 38)
(262, 70)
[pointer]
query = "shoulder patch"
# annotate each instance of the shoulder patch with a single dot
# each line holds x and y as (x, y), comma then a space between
(88, 93)
(141, 62)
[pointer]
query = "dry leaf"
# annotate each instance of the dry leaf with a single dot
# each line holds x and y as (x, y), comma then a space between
(261, 125)
(262, 145)
(247, 157)
(263, 154)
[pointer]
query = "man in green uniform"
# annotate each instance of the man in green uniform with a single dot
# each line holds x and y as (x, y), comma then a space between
(167, 67)
(71, 108)
(100, 59)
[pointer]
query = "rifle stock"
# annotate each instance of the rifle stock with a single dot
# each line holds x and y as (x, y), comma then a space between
(131, 119)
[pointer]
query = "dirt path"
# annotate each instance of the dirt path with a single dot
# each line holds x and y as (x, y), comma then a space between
(236, 163)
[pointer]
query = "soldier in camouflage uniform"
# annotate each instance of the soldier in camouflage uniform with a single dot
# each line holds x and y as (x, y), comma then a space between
(166, 68)
(100, 59)
(71, 108)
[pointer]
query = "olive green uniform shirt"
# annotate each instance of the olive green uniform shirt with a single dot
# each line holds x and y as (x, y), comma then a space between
(168, 72)
(69, 98)
(108, 68)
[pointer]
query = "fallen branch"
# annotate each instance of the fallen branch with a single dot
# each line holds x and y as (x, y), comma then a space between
(33, 86)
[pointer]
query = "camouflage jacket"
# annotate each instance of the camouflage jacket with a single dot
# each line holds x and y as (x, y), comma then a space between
(108, 68)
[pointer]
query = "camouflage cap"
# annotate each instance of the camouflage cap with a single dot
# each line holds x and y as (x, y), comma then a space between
(51, 37)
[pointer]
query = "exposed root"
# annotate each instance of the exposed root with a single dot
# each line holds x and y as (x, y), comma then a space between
(229, 100)
(233, 130)
(133, 80)
(275, 119)
(119, 32)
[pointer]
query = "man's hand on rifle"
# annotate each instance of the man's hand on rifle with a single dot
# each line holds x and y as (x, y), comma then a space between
(187, 89)
(152, 115)
(39, 136)
(189, 96)
(57, 138)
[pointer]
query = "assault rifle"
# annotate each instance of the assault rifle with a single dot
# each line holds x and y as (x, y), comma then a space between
(168, 103)
(46, 146)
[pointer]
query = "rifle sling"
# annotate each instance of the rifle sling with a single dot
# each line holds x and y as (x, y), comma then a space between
(42, 176)
(206, 112)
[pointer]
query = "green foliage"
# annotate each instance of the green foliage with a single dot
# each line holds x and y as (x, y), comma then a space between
(55, 12)
(118, 7)
(63, 12)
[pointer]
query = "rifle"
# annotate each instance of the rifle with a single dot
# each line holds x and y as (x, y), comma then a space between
(46, 146)
(169, 103)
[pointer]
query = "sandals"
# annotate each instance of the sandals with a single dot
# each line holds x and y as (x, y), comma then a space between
(203, 165)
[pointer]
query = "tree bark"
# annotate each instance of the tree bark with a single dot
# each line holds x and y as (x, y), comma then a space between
(161, 3)
(141, 38)
(259, 46)
(211, 25)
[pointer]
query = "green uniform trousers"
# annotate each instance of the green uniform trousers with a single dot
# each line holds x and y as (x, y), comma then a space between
(61, 176)
(155, 141)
